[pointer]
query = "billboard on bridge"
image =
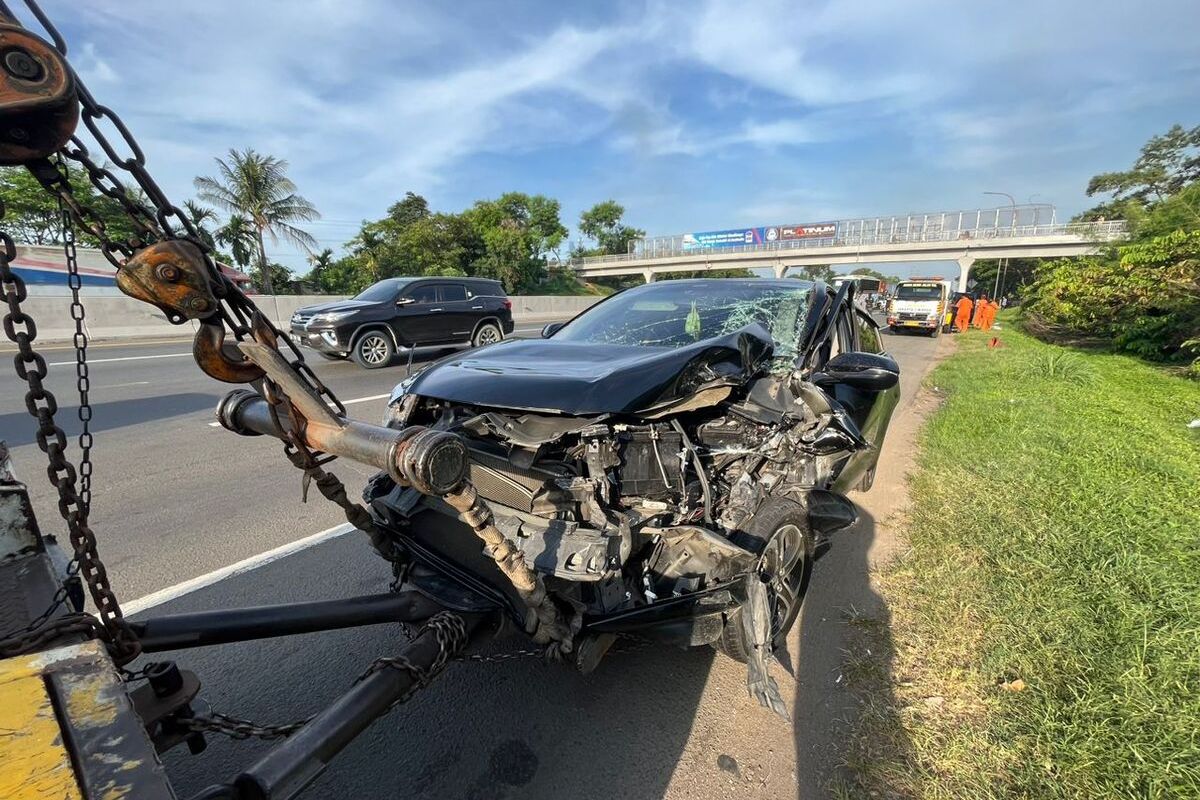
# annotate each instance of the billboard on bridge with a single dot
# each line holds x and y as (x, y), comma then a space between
(741, 237)
(737, 237)
(820, 230)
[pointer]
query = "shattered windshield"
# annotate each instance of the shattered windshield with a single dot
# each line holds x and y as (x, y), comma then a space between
(679, 313)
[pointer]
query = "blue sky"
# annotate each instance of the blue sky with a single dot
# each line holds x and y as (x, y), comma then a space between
(695, 116)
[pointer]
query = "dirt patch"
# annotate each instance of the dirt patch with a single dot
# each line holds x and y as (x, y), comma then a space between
(806, 758)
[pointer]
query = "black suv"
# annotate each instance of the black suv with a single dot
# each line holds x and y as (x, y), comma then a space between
(406, 312)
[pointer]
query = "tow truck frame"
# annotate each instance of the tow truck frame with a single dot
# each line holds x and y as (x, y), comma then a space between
(85, 735)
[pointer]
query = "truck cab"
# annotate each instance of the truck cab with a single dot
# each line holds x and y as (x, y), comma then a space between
(919, 304)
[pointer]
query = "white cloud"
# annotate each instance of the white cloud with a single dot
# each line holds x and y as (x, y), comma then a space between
(657, 138)
(369, 98)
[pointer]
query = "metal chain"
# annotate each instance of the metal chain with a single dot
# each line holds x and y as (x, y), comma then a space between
(452, 639)
(448, 629)
(80, 341)
(38, 633)
(237, 728)
(31, 367)
(451, 634)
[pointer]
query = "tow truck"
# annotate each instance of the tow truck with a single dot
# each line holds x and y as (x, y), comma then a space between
(920, 304)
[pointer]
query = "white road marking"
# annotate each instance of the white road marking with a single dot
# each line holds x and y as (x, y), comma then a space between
(122, 358)
(120, 385)
(245, 565)
(365, 399)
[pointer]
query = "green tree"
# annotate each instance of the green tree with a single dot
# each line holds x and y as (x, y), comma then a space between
(1014, 275)
(1142, 297)
(517, 232)
(282, 279)
(1145, 300)
(239, 236)
(817, 272)
(602, 223)
(201, 218)
(32, 215)
(1167, 163)
(320, 263)
(412, 208)
(257, 187)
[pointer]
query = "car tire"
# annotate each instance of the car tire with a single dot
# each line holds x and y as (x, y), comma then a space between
(488, 333)
(333, 356)
(374, 350)
(779, 534)
(868, 479)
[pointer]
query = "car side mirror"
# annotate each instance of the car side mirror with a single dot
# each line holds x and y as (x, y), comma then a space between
(551, 329)
(404, 301)
(869, 372)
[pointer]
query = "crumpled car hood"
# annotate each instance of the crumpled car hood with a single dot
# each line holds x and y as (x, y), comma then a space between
(590, 378)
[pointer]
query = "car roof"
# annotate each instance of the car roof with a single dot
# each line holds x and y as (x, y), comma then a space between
(790, 283)
(444, 279)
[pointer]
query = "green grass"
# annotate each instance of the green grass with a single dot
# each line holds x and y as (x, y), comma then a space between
(561, 282)
(1055, 539)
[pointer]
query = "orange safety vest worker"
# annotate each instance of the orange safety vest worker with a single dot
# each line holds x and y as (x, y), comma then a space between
(980, 311)
(989, 315)
(963, 317)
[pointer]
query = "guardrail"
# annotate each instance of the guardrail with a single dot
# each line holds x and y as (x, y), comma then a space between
(667, 247)
(115, 316)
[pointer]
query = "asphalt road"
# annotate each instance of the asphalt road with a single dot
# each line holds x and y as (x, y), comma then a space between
(176, 497)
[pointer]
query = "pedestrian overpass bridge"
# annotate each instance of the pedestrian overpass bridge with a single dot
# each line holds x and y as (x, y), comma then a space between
(1018, 231)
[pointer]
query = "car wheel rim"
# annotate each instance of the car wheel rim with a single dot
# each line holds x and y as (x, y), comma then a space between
(373, 349)
(488, 336)
(781, 567)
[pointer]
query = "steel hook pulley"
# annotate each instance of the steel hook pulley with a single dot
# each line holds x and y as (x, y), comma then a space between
(39, 99)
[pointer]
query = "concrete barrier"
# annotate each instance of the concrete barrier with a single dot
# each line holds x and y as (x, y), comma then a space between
(113, 316)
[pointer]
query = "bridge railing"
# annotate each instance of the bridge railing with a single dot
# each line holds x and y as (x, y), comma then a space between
(666, 247)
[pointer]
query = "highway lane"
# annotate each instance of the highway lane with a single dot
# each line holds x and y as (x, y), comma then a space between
(648, 724)
(175, 496)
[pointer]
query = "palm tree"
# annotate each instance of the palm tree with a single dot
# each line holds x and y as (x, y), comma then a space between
(198, 215)
(257, 187)
(238, 235)
(320, 262)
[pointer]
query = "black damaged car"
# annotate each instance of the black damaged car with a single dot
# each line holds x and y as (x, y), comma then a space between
(665, 463)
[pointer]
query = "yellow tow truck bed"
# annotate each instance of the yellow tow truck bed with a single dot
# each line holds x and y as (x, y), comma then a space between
(68, 730)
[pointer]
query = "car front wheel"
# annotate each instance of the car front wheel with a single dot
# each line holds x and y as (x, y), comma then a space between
(374, 350)
(487, 334)
(779, 535)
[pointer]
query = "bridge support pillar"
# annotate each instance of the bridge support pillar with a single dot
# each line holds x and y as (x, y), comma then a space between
(964, 269)
(648, 274)
(780, 270)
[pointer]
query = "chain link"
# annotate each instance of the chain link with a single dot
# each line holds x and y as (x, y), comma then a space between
(80, 340)
(237, 728)
(31, 367)
(448, 629)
